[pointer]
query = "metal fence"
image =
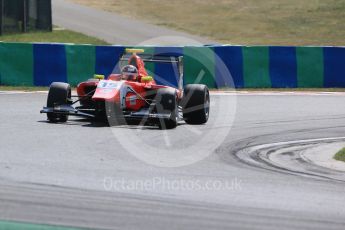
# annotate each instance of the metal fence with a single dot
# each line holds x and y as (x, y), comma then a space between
(25, 15)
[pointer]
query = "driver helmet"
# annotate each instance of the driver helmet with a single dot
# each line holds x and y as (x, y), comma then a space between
(129, 72)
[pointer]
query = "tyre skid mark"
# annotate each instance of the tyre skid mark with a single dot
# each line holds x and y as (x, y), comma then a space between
(265, 157)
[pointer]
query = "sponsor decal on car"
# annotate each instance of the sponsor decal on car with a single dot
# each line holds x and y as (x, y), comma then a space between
(108, 84)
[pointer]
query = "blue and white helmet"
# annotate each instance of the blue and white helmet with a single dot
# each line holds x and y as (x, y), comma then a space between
(130, 70)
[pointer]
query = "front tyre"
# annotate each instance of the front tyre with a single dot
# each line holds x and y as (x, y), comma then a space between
(166, 104)
(59, 94)
(196, 104)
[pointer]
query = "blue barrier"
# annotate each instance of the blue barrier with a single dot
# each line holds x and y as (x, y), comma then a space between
(106, 59)
(334, 67)
(229, 62)
(283, 67)
(49, 64)
(165, 73)
(276, 67)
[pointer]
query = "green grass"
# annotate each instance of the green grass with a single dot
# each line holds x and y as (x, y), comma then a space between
(58, 36)
(340, 156)
(244, 22)
(11, 225)
(23, 88)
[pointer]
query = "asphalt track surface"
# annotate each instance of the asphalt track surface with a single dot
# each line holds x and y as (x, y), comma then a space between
(117, 29)
(55, 173)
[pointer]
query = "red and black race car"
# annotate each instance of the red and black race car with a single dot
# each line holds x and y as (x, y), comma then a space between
(131, 96)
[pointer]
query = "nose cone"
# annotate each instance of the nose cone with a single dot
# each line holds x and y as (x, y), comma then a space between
(108, 91)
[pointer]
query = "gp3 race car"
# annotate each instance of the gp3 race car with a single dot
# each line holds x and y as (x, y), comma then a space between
(131, 96)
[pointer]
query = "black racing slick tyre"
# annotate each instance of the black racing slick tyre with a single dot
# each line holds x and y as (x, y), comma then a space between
(166, 104)
(59, 94)
(196, 104)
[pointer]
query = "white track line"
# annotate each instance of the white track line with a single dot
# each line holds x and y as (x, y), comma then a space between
(264, 93)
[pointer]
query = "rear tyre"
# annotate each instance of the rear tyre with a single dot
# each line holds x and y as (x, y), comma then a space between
(196, 104)
(59, 94)
(166, 104)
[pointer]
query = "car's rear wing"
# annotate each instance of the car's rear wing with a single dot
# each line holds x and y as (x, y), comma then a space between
(164, 59)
